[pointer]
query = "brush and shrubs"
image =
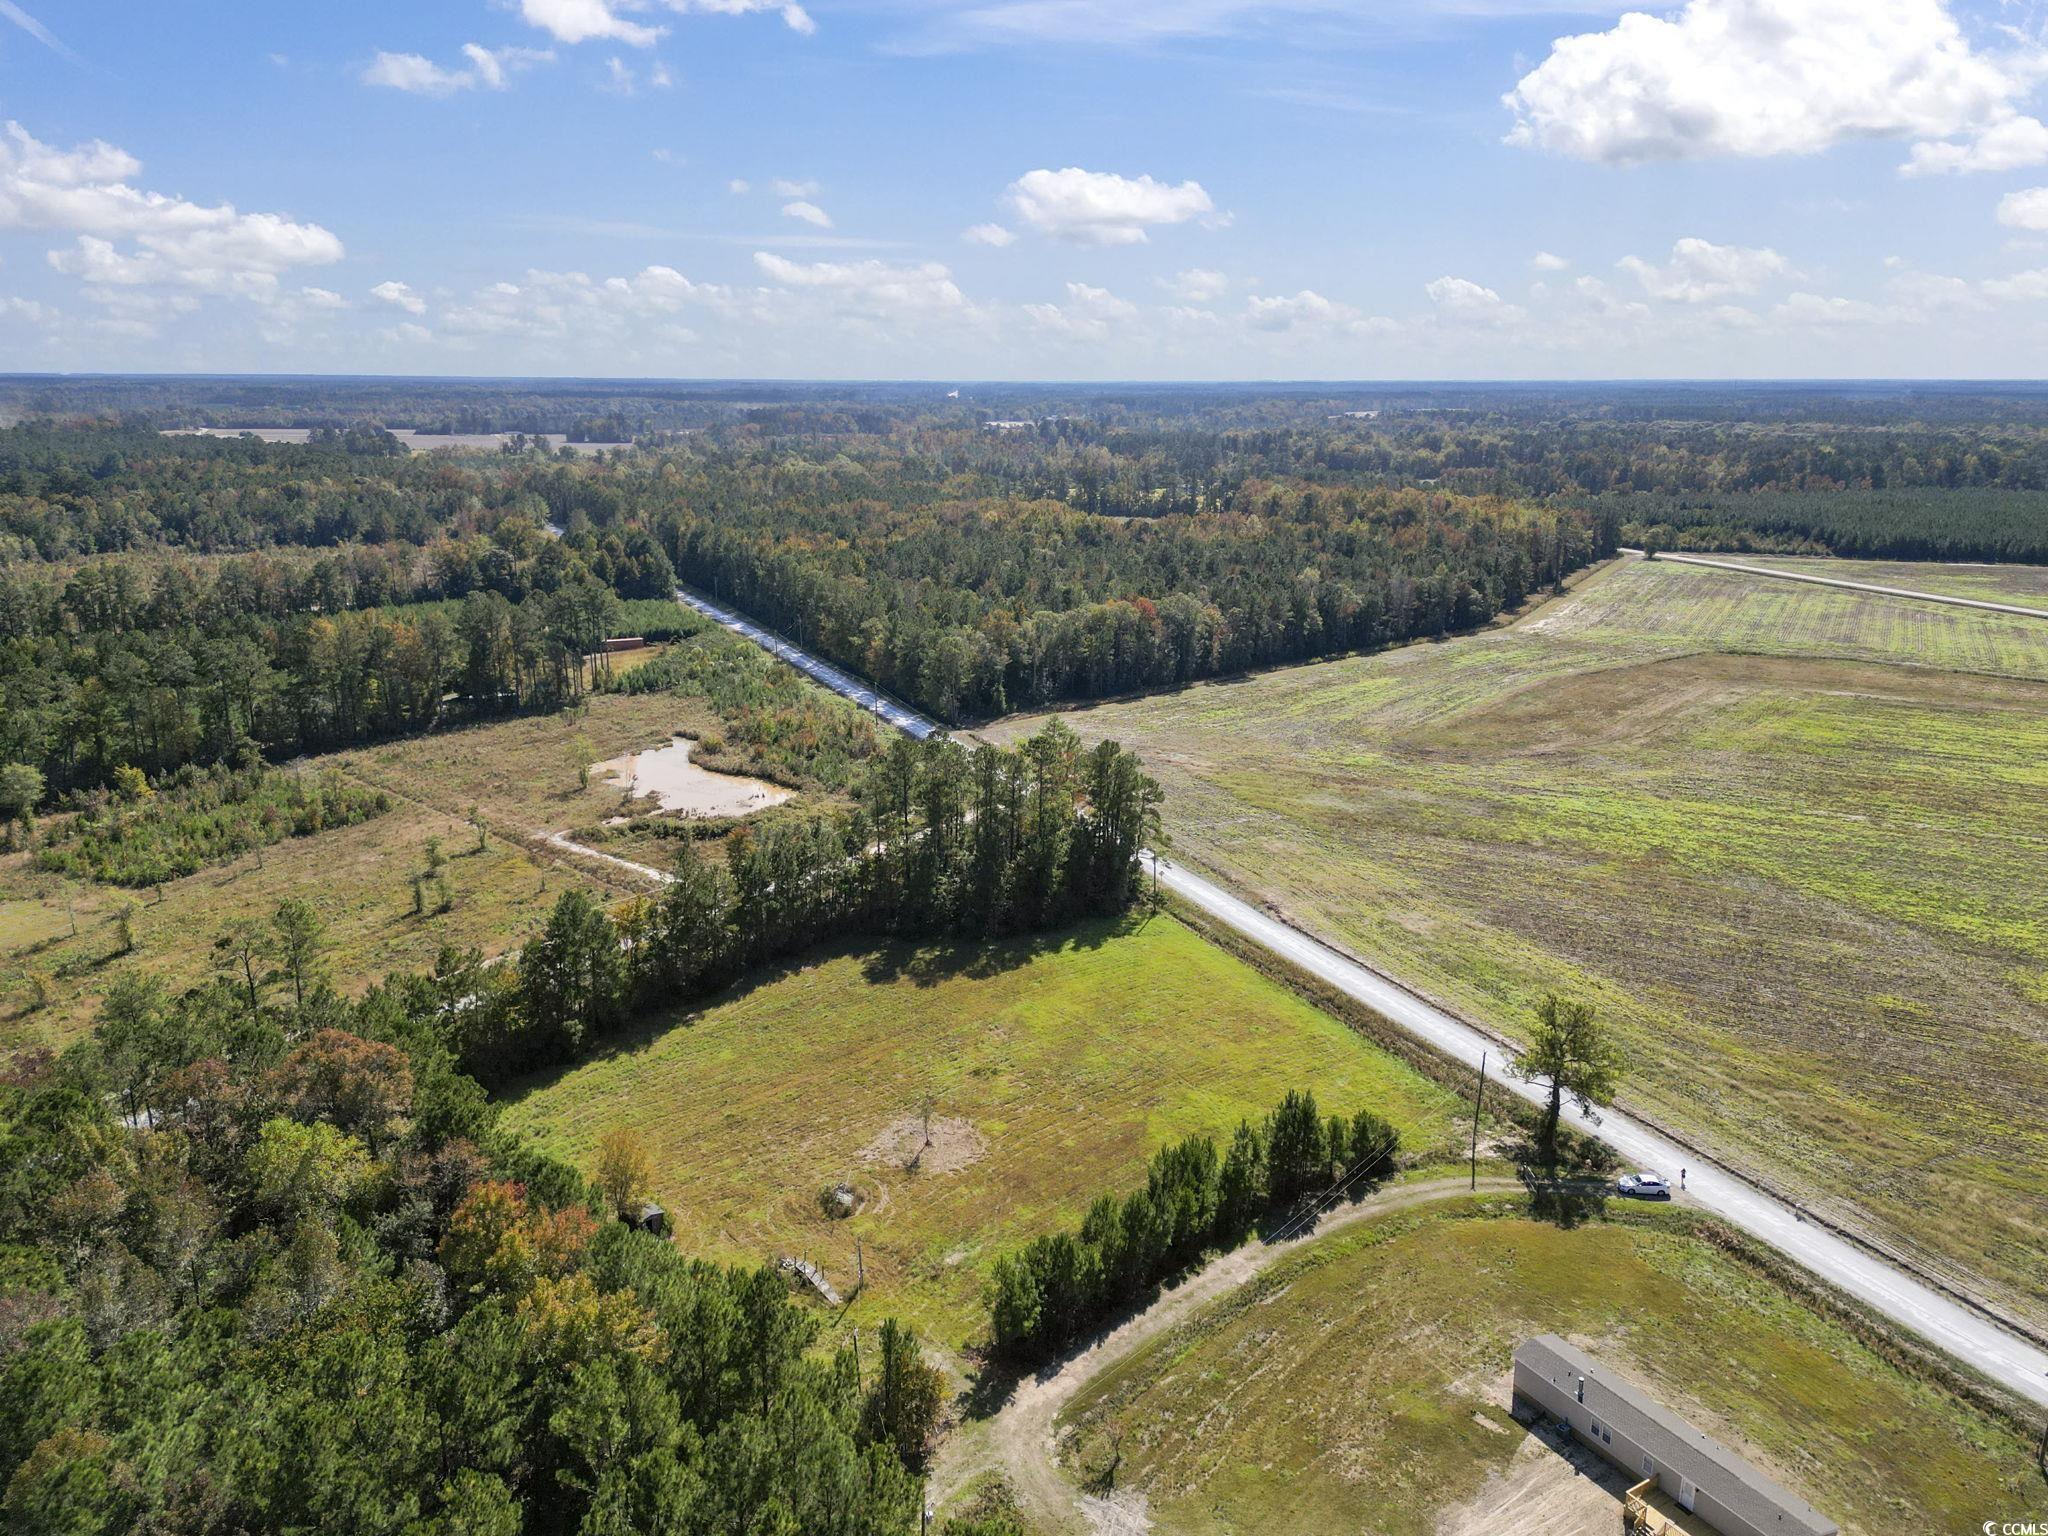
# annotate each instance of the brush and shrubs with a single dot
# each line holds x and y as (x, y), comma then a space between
(142, 834)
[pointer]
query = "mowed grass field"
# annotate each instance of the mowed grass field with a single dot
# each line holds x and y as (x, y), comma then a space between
(1363, 1385)
(1791, 842)
(1070, 1060)
(522, 774)
(2024, 586)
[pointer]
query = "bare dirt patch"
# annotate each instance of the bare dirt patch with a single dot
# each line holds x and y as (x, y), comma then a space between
(667, 775)
(952, 1145)
(1551, 1488)
(1121, 1513)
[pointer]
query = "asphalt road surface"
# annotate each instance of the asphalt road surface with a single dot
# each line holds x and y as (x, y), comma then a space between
(1968, 1335)
(2005, 1357)
(824, 673)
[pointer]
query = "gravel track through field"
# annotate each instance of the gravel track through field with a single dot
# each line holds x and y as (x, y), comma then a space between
(1019, 1441)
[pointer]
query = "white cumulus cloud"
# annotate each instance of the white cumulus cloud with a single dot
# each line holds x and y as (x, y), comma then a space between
(568, 305)
(2020, 285)
(989, 234)
(1197, 285)
(1308, 311)
(582, 21)
(85, 191)
(2026, 209)
(1770, 77)
(488, 68)
(869, 288)
(1101, 208)
(1463, 301)
(400, 296)
(1090, 313)
(1543, 261)
(1824, 312)
(2007, 145)
(795, 17)
(809, 213)
(1700, 271)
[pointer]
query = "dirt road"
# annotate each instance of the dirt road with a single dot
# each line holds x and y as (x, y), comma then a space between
(1018, 1441)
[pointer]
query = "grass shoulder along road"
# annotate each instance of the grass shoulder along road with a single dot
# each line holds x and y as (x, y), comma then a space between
(1053, 1069)
(1361, 1383)
(1787, 839)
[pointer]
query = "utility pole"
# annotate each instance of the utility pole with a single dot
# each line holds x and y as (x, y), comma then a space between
(1478, 1099)
(859, 1386)
(860, 1262)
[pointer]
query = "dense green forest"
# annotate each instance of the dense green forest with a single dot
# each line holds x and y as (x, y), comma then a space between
(155, 660)
(1889, 525)
(975, 608)
(267, 1263)
(305, 1283)
(163, 599)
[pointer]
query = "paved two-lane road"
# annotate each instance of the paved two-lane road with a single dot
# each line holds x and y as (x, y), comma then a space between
(1968, 1335)
(908, 721)
(2006, 1358)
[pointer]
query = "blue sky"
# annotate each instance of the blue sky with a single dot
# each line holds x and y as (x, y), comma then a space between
(1026, 188)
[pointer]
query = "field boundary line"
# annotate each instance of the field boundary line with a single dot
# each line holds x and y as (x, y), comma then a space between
(1983, 605)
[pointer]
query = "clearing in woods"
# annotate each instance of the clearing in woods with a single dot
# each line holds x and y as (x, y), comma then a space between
(1053, 1070)
(1788, 840)
(1363, 1385)
(522, 774)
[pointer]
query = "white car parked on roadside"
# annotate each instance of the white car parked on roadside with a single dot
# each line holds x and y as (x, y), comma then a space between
(1644, 1186)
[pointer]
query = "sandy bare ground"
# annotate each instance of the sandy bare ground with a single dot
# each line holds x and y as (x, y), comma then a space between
(562, 841)
(668, 775)
(1019, 1439)
(949, 1146)
(1551, 1488)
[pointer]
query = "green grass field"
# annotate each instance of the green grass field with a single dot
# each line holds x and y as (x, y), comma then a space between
(1789, 840)
(2024, 586)
(1362, 1385)
(520, 773)
(1070, 1060)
